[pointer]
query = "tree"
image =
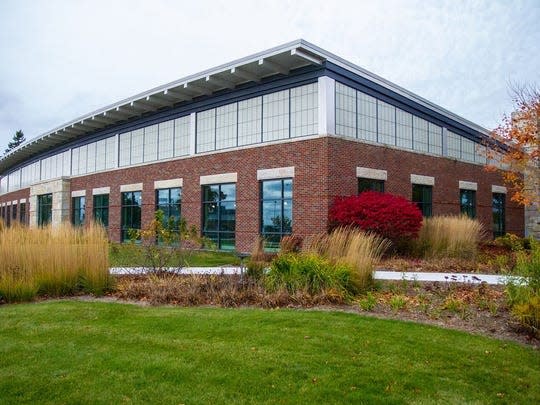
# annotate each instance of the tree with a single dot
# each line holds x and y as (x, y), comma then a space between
(517, 146)
(17, 139)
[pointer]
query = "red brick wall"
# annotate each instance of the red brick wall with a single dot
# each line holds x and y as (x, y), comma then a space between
(324, 168)
(346, 155)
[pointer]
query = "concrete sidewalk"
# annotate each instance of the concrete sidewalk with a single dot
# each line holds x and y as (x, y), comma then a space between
(381, 274)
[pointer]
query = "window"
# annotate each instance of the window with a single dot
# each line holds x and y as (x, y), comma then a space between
(367, 117)
(249, 121)
(275, 116)
(386, 123)
(22, 213)
(226, 124)
(304, 110)
(78, 210)
(44, 209)
(101, 209)
(422, 196)
(206, 130)
(467, 201)
(404, 129)
(276, 211)
(14, 212)
(169, 201)
(131, 213)
(8, 215)
(219, 214)
(370, 185)
(499, 217)
(420, 134)
(454, 145)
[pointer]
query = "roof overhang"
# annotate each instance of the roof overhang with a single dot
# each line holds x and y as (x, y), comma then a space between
(254, 68)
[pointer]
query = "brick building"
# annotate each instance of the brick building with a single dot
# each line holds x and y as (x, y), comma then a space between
(258, 146)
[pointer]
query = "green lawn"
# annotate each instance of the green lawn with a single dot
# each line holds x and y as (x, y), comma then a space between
(80, 352)
(124, 255)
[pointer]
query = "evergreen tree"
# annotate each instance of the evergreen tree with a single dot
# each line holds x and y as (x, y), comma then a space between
(18, 139)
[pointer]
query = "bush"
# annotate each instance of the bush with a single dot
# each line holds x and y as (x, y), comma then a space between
(350, 246)
(450, 236)
(52, 262)
(513, 242)
(524, 291)
(310, 273)
(390, 216)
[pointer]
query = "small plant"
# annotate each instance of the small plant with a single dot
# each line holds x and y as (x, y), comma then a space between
(523, 292)
(398, 302)
(167, 244)
(513, 242)
(367, 303)
(290, 244)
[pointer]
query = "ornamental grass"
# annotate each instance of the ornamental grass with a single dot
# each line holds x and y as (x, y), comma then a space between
(450, 236)
(52, 261)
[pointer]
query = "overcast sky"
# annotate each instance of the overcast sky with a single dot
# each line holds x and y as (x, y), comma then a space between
(62, 59)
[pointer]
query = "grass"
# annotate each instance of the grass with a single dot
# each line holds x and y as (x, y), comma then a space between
(450, 236)
(52, 262)
(128, 255)
(80, 352)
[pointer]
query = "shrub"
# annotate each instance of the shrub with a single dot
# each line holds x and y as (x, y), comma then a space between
(52, 262)
(523, 292)
(450, 236)
(290, 244)
(390, 216)
(513, 242)
(309, 272)
(350, 246)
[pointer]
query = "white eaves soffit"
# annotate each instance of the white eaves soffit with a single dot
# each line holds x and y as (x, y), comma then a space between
(279, 60)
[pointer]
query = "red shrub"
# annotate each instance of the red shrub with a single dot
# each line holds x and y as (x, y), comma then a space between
(391, 216)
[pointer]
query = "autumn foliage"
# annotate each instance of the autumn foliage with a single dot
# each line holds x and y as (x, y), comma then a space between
(517, 146)
(391, 216)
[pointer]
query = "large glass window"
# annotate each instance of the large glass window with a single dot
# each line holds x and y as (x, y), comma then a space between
(250, 121)
(101, 209)
(44, 209)
(226, 124)
(169, 201)
(131, 213)
(404, 129)
(206, 130)
(420, 134)
(345, 110)
(422, 196)
(386, 123)
(78, 210)
(219, 214)
(499, 214)
(276, 116)
(370, 185)
(367, 117)
(8, 215)
(467, 201)
(276, 211)
(304, 113)
(14, 212)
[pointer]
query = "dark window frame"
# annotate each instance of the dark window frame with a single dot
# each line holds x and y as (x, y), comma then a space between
(217, 236)
(44, 205)
(467, 207)
(498, 201)
(425, 200)
(366, 184)
(271, 243)
(78, 210)
(100, 210)
(132, 209)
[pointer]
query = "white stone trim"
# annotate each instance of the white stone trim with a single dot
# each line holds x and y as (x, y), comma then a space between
(101, 190)
(22, 201)
(14, 202)
(468, 185)
(327, 105)
(219, 178)
(275, 173)
(78, 193)
(131, 187)
(424, 180)
(499, 189)
(8, 203)
(369, 173)
(168, 183)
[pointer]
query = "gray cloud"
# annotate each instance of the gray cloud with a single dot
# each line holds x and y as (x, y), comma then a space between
(61, 59)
